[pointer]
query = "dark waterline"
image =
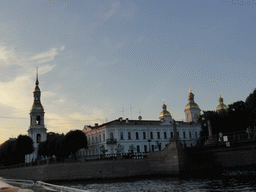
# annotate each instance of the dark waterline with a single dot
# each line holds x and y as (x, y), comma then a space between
(235, 180)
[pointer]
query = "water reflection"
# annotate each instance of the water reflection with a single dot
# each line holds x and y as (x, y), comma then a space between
(166, 184)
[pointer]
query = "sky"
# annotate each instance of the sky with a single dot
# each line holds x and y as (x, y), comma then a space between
(101, 60)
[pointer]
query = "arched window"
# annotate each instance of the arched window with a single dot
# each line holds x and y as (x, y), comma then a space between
(38, 138)
(38, 120)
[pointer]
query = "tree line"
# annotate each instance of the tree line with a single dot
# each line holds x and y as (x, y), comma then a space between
(237, 117)
(13, 151)
(62, 146)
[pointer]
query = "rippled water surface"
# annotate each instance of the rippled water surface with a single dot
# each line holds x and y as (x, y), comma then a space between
(167, 184)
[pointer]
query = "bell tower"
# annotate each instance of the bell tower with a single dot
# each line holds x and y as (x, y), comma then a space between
(37, 130)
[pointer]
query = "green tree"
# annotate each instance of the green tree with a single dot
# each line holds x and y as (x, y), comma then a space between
(250, 103)
(73, 141)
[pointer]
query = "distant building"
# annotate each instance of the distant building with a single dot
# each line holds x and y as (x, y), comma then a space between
(138, 135)
(37, 130)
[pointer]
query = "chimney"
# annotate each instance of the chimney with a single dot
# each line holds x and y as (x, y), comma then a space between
(127, 120)
(120, 119)
(96, 125)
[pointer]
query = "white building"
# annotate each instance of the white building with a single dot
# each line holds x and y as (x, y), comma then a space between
(139, 135)
(37, 130)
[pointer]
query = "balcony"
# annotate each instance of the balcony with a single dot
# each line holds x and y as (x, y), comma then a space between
(111, 141)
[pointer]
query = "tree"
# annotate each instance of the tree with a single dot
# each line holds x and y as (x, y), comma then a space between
(250, 103)
(13, 151)
(24, 146)
(73, 141)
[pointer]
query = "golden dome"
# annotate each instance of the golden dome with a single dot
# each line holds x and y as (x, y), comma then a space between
(37, 105)
(220, 99)
(192, 106)
(165, 114)
(221, 106)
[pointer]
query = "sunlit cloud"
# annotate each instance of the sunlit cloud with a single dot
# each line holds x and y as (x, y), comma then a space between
(47, 56)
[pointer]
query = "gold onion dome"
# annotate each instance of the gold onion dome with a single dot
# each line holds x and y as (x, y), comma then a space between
(164, 113)
(191, 104)
(221, 106)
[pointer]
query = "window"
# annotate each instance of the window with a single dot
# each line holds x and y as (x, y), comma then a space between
(138, 148)
(190, 135)
(137, 135)
(111, 135)
(99, 138)
(145, 148)
(151, 135)
(38, 120)
(171, 134)
(92, 140)
(178, 134)
(38, 138)
(121, 135)
(158, 135)
(165, 136)
(196, 134)
(184, 134)
(144, 135)
(129, 135)
(103, 137)
(96, 139)
(153, 147)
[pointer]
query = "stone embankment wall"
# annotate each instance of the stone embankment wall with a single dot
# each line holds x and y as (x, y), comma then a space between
(80, 170)
(167, 161)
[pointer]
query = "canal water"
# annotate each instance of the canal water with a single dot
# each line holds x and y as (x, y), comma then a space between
(229, 181)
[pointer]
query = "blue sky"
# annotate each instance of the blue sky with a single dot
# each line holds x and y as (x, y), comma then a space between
(96, 58)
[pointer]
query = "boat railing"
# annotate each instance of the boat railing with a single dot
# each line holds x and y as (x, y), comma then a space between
(57, 187)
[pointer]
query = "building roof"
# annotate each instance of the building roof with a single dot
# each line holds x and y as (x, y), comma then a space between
(121, 121)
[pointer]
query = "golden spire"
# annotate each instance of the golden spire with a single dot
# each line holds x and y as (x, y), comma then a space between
(189, 89)
(37, 82)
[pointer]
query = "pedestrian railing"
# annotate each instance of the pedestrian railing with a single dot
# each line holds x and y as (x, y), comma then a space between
(114, 156)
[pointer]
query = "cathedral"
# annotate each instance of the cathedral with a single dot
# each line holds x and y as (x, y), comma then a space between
(124, 135)
(145, 135)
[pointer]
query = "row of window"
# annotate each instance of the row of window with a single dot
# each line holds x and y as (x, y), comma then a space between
(97, 139)
(151, 136)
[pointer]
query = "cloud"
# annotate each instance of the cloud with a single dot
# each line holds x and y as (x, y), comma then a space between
(46, 56)
(17, 93)
(110, 13)
(6, 56)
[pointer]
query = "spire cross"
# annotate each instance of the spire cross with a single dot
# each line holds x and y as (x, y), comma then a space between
(220, 94)
(163, 101)
(189, 89)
